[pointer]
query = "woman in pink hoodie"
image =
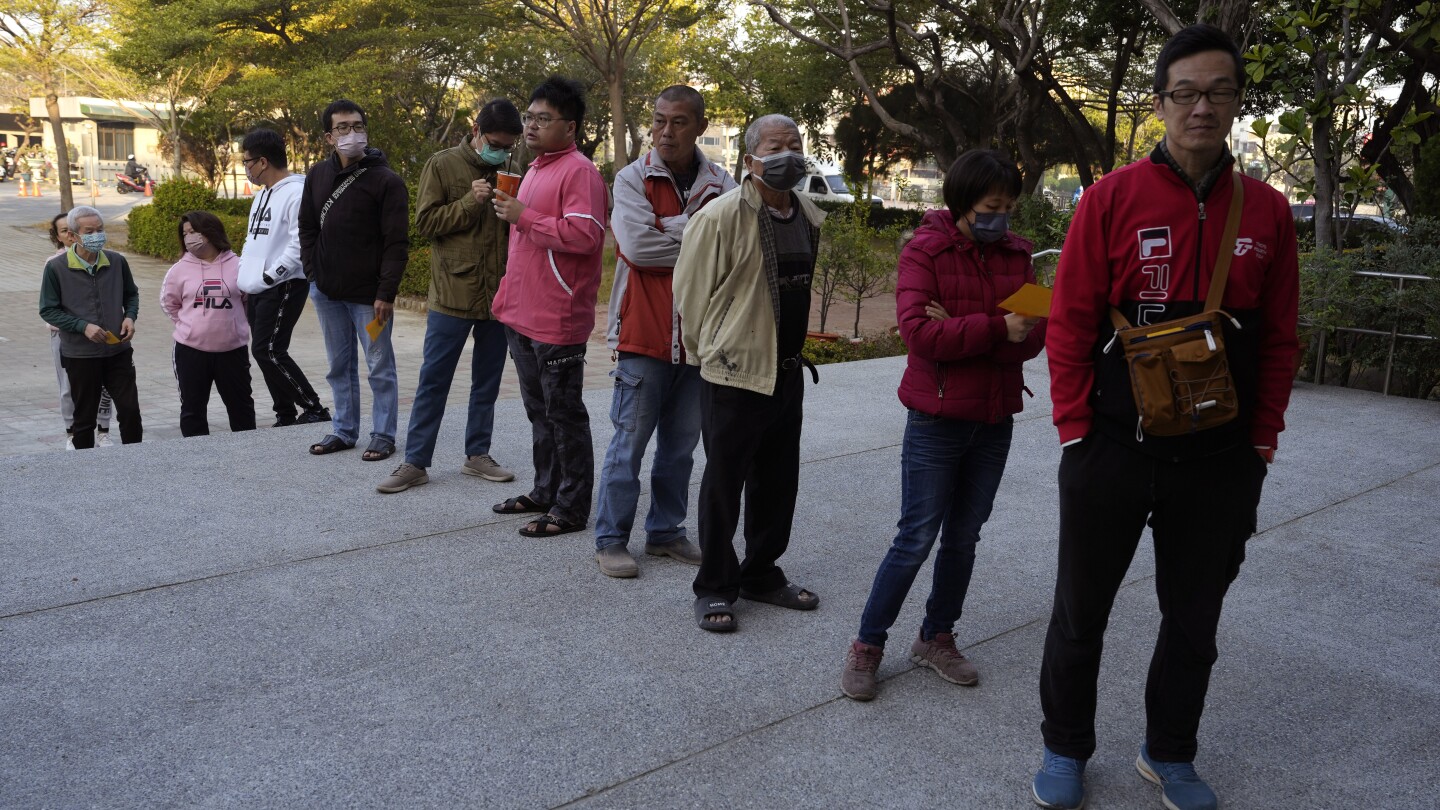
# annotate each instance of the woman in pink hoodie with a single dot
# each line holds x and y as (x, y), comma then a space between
(202, 297)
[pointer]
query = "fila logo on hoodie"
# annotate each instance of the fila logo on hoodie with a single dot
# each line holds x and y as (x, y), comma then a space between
(213, 294)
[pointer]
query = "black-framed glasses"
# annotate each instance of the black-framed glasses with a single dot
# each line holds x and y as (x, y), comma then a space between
(1189, 96)
(244, 161)
(347, 128)
(506, 149)
(539, 121)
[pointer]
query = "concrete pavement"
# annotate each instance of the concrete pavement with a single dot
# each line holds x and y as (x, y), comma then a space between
(227, 621)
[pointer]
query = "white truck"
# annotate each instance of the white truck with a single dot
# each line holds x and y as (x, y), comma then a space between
(823, 181)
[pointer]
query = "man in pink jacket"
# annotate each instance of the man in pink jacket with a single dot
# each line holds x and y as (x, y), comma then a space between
(547, 302)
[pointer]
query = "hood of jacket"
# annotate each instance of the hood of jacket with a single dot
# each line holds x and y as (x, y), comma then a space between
(938, 232)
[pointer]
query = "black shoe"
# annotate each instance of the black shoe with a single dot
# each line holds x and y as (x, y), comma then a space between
(284, 421)
(312, 417)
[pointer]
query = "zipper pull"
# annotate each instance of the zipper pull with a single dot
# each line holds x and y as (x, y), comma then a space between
(1111, 344)
(1237, 323)
(1202, 211)
(1139, 430)
(1209, 340)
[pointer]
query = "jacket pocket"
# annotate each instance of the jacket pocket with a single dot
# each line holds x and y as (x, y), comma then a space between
(720, 322)
(555, 269)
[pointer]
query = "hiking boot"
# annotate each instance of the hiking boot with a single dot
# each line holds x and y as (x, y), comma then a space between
(1180, 787)
(861, 662)
(940, 654)
(485, 467)
(405, 476)
(682, 549)
(1060, 782)
(313, 417)
(616, 562)
(102, 439)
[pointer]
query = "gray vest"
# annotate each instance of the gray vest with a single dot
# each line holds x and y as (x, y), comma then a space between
(98, 299)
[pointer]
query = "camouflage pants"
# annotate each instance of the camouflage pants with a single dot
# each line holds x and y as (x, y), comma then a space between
(552, 379)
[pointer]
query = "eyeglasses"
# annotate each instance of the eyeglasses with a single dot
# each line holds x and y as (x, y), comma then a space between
(1189, 97)
(539, 121)
(247, 161)
(506, 149)
(346, 128)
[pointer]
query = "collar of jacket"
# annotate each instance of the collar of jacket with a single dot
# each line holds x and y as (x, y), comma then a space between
(550, 157)
(750, 196)
(1161, 155)
(74, 262)
(938, 233)
(372, 157)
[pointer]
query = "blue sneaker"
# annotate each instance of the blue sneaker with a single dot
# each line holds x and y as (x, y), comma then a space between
(1059, 782)
(1181, 788)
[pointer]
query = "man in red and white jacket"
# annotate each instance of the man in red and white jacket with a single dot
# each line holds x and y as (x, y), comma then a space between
(1145, 240)
(547, 302)
(656, 391)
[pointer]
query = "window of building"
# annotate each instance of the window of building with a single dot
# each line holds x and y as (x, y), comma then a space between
(709, 140)
(116, 141)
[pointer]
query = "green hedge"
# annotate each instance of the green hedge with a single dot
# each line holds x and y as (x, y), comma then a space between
(154, 229)
(821, 352)
(880, 218)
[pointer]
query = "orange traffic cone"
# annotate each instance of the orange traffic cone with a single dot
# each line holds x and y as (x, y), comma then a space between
(247, 192)
(22, 193)
(35, 189)
(149, 188)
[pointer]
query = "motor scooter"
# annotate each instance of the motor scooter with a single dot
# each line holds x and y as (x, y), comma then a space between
(126, 184)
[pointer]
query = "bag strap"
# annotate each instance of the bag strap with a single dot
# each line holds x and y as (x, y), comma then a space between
(1227, 244)
(335, 195)
(1222, 260)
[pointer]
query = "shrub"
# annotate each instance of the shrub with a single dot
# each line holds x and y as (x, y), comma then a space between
(878, 218)
(821, 352)
(416, 280)
(152, 226)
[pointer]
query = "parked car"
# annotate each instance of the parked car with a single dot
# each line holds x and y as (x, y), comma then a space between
(1358, 229)
(823, 181)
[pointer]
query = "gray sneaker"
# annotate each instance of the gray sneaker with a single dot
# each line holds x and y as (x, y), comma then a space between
(683, 550)
(616, 562)
(861, 662)
(940, 654)
(485, 467)
(405, 476)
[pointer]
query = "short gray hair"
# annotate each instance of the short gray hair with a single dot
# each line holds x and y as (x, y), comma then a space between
(80, 212)
(759, 125)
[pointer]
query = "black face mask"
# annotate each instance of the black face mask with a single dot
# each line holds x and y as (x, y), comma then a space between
(782, 170)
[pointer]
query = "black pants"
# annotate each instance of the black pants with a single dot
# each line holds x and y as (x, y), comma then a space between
(273, 315)
(1200, 512)
(229, 372)
(752, 444)
(89, 376)
(552, 380)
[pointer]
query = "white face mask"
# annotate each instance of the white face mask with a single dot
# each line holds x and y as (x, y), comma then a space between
(351, 145)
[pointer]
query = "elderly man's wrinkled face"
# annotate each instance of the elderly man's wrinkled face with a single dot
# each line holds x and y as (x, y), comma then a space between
(786, 162)
(777, 139)
(674, 128)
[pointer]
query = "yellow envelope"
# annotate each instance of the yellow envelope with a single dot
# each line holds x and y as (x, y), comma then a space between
(374, 328)
(1031, 300)
(111, 338)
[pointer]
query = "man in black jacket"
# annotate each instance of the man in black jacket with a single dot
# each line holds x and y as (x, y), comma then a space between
(354, 241)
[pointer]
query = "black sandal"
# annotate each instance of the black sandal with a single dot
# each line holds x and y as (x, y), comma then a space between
(380, 449)
(329, 444)
(543, 523)
(707, 606)
(519, 506)
(789, 595)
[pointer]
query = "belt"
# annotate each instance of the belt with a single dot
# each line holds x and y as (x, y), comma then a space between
(792, 363)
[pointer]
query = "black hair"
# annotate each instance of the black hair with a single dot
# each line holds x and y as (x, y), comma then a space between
(207, 225)
(976, 175)
(55, 231)
(567, 96)
(266, 143)
(1193, 39)
(499, 115)
(340, 105)
(684, 94)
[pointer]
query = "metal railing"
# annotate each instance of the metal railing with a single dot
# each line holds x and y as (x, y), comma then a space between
(1394, 333)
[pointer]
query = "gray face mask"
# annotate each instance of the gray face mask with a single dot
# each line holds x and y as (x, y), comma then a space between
(989, 227)
(782, 170)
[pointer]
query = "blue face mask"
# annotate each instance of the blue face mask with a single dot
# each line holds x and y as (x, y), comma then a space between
(989, 227)
(493, 155)
(93, 242)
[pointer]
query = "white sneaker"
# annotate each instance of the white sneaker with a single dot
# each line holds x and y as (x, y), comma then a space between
(103, 439)
(69, 442)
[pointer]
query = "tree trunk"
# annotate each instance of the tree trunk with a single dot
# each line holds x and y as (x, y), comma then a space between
(62, 149)
(617, 114)
(1325, 231)
(175, 125)
(857, 316)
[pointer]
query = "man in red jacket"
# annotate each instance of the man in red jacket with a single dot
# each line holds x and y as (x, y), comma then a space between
(1145, 240)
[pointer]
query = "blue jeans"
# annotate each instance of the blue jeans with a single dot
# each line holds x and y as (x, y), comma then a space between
(950, 470)
(651, 397)
(342, 322)
(445, 338)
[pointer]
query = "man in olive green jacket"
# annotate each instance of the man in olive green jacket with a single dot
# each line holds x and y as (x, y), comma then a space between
(467, 258)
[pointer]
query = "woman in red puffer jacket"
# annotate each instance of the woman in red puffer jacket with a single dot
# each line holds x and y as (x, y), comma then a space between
(962, 384)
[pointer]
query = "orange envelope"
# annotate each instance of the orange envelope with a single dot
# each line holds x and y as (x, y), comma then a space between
(1031, 300)
(111, 338)
(374, 328)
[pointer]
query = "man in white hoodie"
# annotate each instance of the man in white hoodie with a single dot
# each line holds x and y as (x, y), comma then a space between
(272, 276)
